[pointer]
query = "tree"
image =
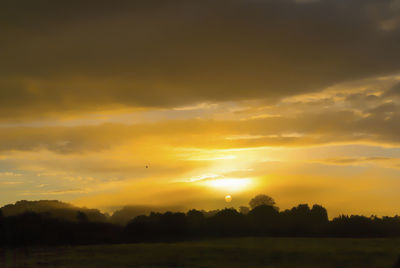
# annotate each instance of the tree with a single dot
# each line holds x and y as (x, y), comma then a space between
(262, 199)
(81, 216)
(1, 220)
(319, 214)
(194, 215)
(319, 219)
(195, 222)
(244, 210)
(263, 220)
(227, 222)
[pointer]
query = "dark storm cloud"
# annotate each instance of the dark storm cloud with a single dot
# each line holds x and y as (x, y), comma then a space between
(393, 91)
(82, 56)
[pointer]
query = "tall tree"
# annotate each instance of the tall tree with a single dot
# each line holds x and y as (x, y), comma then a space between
(261, 199)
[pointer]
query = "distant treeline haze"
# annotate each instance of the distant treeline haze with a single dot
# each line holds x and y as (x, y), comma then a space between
(55, 223)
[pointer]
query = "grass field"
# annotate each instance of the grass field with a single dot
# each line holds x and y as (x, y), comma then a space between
(238, 252)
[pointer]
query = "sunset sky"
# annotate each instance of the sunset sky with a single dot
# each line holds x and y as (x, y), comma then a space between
(297, 99)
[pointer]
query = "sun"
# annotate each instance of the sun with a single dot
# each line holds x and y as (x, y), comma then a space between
(228, 199)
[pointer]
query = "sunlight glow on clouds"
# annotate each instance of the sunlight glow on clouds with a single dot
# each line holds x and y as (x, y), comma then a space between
(229, 185)
(142, 101)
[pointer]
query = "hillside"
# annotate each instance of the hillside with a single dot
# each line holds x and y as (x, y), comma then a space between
(53, 208)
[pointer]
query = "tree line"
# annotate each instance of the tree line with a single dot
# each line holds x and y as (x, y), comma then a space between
(263, 218)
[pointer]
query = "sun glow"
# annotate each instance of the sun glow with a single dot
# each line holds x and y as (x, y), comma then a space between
(228, 184)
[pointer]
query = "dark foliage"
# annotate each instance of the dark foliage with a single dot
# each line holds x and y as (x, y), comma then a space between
(157, 226)
(56, 209)
(40, 229)
(264, 220)
(33, 228)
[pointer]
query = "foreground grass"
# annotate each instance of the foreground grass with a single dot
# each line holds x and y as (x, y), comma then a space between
(238, 252)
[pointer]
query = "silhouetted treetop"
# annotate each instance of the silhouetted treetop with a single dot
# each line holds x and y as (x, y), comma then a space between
(244, 210)
(123, 215)
(261, 199)
(319, 213)
(263, 211)
(195, 214)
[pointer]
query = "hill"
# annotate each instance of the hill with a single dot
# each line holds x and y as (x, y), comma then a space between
(53, 208)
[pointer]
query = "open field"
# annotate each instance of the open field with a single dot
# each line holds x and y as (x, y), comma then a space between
(238, 252)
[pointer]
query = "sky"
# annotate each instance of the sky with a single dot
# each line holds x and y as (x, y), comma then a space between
(180, 103)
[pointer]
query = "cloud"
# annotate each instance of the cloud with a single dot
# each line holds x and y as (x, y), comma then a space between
(9, 174)
(358, 160)
(394, 91)
(359, 112)
(380, 126)
(5, 183)
(73, 57)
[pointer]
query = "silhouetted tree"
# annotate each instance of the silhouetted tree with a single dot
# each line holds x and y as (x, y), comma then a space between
(318, 220)
(81, 216)
(319, 213)
(244, 210)
(138, 229)
(56, 208)
(172, 225)
(296, 221)
(1, 219)
(227, 222)
(196, 222)
(211, 213)
(157, 226)
(263, 220)
(261, 199)
(32, 228)
(195, 215)
(1, 228)
(354, 226)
